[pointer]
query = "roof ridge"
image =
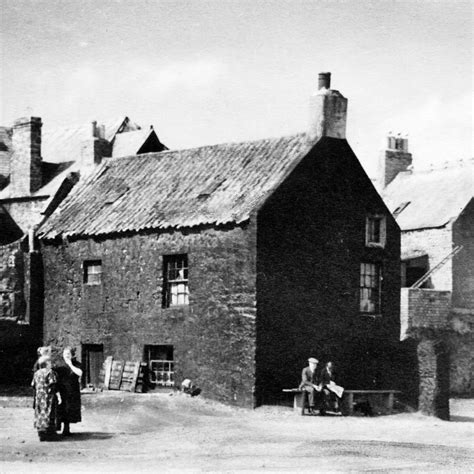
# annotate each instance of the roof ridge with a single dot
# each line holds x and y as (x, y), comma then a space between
(215, 145)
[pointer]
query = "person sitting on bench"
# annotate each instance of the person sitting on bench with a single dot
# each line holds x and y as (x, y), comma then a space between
(331, 391)
(311, 384)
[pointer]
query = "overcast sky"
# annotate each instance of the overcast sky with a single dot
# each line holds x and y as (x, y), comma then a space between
(210, 72)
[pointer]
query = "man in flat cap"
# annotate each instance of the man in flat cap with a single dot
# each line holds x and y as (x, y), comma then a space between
(311, 383)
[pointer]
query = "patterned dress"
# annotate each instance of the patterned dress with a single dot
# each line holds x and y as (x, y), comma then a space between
(45, 399)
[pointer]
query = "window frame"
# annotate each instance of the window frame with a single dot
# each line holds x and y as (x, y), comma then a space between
(86, 266)
(382, 230)
(180, 263)
(379, 277)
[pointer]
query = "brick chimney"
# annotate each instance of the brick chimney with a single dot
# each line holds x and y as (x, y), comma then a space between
(394, 159)
(96, 147)
(328, 108)
(25, 164)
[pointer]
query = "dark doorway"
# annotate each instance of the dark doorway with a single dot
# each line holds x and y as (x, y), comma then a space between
(160, 365)
(92, 361)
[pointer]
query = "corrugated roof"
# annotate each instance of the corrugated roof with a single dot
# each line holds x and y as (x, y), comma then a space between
(129, 143)
(430, 198)
(209, 185)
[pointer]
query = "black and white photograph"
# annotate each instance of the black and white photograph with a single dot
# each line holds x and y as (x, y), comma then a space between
(236, 236)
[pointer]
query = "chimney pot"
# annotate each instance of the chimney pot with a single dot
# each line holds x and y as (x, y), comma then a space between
(324, 80)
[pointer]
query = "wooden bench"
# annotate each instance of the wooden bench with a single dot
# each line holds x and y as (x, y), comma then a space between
(349, 398)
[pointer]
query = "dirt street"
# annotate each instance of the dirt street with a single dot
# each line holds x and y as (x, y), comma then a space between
(124, 432)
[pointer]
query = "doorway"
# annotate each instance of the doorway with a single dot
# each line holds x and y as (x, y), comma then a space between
(92, 362)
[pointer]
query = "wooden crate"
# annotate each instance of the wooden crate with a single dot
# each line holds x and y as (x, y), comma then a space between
(129, 376)
(116, 374)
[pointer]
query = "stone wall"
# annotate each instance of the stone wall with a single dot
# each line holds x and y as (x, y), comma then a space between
(461, 347)
(463, 266)
(433, 361)
(20, 312)
(311, 242)
(423, 308)
(213, 338)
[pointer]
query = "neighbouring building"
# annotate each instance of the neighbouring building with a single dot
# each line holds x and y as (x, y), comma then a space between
(230, 264)
(435, 211)
(37, 171)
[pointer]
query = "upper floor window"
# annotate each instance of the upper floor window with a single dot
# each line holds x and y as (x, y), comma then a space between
(370, 288)
(93, 272)
(375, 231)
(175, 284)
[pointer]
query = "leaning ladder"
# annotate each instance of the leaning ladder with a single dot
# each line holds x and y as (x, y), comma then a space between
(425, 277)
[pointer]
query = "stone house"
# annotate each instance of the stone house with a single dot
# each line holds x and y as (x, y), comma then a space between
(435, 211)
(37, 170)
(230, 264)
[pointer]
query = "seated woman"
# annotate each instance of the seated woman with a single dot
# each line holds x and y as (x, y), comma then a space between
(46, 399)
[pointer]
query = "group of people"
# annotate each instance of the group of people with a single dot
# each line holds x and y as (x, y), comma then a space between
(323, 392)
(57, 394)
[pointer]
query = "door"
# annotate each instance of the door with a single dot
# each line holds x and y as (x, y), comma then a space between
(92, 359)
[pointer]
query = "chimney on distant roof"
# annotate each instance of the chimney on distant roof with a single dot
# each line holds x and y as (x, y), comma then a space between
(95, 147)
(394, 159)
(25, 164)
(328, 109)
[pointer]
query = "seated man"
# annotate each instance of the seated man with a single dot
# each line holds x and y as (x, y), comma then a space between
(331, 391)
(310, 383)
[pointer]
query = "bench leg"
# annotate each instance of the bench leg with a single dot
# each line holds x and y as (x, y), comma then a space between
(350, 404)
(390, 399)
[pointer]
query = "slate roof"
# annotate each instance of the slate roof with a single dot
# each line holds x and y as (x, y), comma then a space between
(61, 152)
(212, 185)
(435, 197)
(53, 176)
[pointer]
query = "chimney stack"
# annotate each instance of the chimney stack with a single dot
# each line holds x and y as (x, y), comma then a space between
(95, 147)
(25, 164)
(324, 80)
(328, 108)
(394, 159)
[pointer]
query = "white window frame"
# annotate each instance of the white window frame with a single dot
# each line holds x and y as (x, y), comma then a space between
(92, 272)
(176, 281)
(369, 242)
(367, 278)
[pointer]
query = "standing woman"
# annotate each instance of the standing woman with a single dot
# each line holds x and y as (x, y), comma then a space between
(69, 375)
(46, 398)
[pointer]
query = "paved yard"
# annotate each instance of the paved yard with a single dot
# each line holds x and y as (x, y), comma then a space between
(124, 432)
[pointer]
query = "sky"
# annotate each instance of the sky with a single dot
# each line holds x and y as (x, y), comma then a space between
(205, 72)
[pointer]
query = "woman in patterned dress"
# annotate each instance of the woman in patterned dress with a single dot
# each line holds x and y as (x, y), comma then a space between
(69, 375)
(46, 399)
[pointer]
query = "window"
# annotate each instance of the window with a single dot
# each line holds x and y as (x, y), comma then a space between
(370, 288)
(160, 365)
(175, 281)
(93, 272)
(375, 231)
